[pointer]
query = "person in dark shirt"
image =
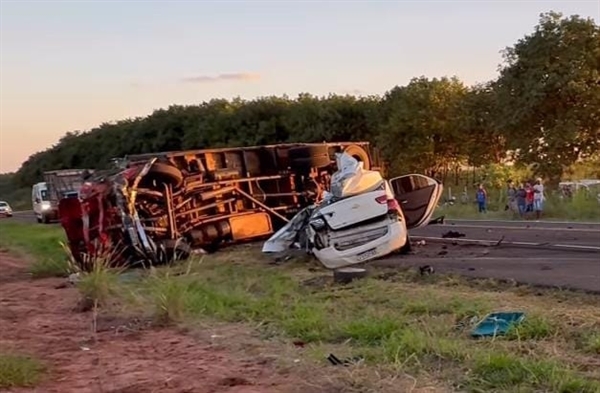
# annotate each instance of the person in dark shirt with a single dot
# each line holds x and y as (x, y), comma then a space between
(521, 200)
(511, 194)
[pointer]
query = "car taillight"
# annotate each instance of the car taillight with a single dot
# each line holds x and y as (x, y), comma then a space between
(392, 204)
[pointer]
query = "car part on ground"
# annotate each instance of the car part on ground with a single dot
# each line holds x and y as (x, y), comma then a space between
(158, 207)
(348, 274)
(360, 218)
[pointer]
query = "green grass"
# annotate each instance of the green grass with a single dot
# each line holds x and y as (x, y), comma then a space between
(410, 324)
(19, 371)
(404, 324)
(41, 243)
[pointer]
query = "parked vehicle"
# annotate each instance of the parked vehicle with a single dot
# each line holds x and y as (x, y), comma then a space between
(57, 185)
(159, 206)
(591, 188)
(40, 202)
(365, 217)
(5, 209)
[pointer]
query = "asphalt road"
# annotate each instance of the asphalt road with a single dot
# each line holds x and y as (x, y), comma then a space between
(25, 216)
(532, 232)
(536, 264)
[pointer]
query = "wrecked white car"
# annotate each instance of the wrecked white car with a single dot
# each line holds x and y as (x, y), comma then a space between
(364, 217)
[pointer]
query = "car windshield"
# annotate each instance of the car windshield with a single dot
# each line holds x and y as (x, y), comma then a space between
(3, 204)
(44, 194)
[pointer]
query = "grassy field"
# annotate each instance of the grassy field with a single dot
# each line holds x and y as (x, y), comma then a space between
(407, 329)
(40, 244)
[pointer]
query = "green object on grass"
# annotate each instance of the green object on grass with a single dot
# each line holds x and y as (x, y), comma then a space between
(496, 324)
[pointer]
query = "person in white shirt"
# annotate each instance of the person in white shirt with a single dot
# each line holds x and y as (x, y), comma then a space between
(538, 198)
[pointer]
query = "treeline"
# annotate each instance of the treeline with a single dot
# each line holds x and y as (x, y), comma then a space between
(542, 111)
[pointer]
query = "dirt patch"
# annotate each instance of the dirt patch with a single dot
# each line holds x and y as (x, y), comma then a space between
(126, 355)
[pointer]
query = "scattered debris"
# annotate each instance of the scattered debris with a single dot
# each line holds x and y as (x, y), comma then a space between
(234, 381)
(438, 221)
(74, 278)
(453, 235)
(443, 252)
(426, 270)
(496, 324)
(466, 323)
(346, 362)
(348, 274)
(420, 243)
(299, 344)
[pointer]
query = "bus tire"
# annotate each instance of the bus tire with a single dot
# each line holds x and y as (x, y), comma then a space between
(165, 173)
(359, 154)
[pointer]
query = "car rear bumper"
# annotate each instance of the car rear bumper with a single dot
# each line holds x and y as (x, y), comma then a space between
(394, 239)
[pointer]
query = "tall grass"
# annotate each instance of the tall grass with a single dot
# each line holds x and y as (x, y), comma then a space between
(400, 324)
(19, 371)
(40, 243)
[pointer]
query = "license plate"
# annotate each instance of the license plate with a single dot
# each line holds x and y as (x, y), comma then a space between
(367, 254)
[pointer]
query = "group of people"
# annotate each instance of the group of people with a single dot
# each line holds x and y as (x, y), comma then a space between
(525, 200)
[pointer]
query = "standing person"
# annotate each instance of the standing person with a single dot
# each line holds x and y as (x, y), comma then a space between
(522, 200)
(528, 198)
(512, 198)
(481, 197)
(538, 198)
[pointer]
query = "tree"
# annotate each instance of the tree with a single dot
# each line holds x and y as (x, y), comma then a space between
(484, 142)
(421, 125)
(549, 93)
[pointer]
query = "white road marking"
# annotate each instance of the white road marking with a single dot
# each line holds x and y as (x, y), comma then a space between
(532, 222)
(573, 247)
(513, 228)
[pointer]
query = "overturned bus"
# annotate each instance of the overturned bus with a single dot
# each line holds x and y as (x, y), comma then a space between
(160, 206)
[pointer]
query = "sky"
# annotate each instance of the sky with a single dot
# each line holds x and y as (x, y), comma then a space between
(72, 65)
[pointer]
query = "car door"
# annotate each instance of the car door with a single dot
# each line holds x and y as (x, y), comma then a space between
(418, 196)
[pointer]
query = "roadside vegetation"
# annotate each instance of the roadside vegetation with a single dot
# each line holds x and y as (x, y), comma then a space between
(38, 243)
(582, 207)
(19, 371)
(396, 324)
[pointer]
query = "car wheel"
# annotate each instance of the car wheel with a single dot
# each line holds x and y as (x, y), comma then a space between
(39, 220)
